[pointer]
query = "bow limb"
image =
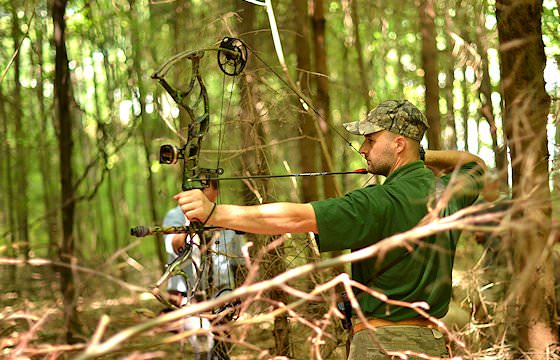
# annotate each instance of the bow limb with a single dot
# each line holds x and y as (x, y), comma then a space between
(231, 57)
(197, 110)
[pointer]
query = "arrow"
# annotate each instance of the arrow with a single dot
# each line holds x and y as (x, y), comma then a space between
(322, 173)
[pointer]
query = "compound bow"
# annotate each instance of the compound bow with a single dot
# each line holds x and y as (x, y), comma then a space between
(232, 58)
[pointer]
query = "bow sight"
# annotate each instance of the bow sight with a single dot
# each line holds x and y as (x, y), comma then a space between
(171, 154)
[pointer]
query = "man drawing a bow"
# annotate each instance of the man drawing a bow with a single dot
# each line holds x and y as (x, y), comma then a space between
(392, 133)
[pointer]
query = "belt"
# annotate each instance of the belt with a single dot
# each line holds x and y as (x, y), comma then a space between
(381, 322)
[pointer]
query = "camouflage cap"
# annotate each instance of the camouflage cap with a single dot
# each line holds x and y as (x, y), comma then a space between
(397, 116)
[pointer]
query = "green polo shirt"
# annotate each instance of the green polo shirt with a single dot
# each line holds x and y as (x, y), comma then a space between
(365, 216)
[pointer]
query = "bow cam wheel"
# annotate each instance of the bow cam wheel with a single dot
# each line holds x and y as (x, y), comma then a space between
(232, 56)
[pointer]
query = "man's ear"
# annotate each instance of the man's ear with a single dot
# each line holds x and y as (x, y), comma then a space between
(400, 144)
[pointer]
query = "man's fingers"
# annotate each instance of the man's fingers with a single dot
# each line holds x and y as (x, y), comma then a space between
(191, 203)
(189, 195)
(189, 211)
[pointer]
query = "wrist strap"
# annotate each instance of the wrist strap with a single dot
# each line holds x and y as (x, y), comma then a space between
(209, 215)
(422, 153)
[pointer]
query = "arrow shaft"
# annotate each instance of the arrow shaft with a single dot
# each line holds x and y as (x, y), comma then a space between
(322, 173)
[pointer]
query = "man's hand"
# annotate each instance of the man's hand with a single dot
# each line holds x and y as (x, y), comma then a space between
(195, 205)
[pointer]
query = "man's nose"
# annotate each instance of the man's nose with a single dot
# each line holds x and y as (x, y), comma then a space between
(362, 150)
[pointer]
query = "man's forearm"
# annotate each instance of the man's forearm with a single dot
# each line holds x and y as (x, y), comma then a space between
(270, 219)
(444, 161)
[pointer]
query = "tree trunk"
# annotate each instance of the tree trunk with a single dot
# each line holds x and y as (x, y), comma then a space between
(21, 209)
(363, 70)
(485, 95)
(307, 146)
(450, 140)
(430, 66)
(526, 108)
(63, 114)
(7, 182)
(322, 98)
(108, 243)
(379, 60)
(3, 165)
(45, 161)
(255, 163)
(112, 197)
(465, 108)
(556, 156)
(398, 91)
(145, 126)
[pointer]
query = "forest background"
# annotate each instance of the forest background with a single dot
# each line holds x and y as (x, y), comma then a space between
(82, 122)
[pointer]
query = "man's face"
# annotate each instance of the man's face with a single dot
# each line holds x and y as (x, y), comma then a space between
(379, 151)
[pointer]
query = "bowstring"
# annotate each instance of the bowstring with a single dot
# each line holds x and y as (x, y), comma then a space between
(307, 245)
(222, 122)
(222, 238)
(308, 103)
